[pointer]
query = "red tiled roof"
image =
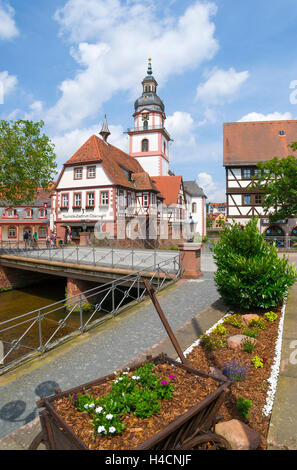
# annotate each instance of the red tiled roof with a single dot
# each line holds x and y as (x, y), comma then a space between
(252, 142)
(114, 161)
(169, 187)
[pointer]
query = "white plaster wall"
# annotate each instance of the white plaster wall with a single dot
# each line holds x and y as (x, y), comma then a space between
(152, 138)
(150, 165)
(68, 181)
(83, 213)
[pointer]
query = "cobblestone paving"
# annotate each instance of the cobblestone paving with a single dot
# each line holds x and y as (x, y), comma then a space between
(118, 342)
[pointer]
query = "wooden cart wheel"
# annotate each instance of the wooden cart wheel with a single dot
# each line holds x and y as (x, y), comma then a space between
(36, 441)
(208, 441)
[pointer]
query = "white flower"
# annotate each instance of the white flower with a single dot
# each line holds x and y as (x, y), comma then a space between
(120, 378)
(99, 409)
(128, 368)
(115, 381)
(125, 373)
(92, 405)
(109, 416)
(112, 429)
(86, 406)
(115, 373)
(101, 429)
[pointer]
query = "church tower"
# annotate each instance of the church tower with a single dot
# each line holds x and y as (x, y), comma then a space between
(148, 139)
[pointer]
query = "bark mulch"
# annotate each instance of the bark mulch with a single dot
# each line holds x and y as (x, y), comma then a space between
(138, 430)
(255, 386)
(189, 390)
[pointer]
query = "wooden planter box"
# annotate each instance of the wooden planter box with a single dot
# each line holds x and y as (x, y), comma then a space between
(190, 430)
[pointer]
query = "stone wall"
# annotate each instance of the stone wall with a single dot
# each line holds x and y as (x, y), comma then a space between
(12, 278)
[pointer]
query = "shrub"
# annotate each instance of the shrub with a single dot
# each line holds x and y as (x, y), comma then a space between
(270, 316)
(235, 371)
(234, 320)
(257, 362)
(244, 406)
(248, 346)
(249, 272)
(259, 323)
(251, 333)
(213, 340)
(220, 330)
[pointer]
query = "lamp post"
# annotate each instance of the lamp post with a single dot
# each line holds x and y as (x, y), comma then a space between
(190, 228)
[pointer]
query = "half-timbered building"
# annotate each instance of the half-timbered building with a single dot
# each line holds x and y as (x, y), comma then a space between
(244, 145)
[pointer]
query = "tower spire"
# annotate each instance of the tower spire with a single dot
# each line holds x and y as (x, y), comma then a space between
(149, 68)
(104, 131)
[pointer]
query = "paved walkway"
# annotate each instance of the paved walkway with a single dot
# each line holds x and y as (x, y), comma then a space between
(283, 424)
(100, 351)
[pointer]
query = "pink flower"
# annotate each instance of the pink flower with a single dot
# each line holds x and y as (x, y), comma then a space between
(172, 377)
(164, 382)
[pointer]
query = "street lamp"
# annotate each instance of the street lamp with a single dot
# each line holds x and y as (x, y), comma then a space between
(190, 229)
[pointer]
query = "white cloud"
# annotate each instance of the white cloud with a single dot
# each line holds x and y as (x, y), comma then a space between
(112, 41)
(7, 82)
(276, 116)
(181, 128)
(8, 29)
(215, 191)
(221, 86)
(67, 144)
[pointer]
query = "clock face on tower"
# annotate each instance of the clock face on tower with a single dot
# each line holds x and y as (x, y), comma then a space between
(145, 116)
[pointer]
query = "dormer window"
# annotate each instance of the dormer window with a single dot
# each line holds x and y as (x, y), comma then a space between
(281, 133)
(28, 213)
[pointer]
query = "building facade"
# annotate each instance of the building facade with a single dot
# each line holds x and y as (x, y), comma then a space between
(246, 144)
(196, 206)
(15, 220)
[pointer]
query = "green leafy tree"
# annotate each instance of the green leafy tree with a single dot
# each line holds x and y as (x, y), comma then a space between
(250, 273)
(27, 160)
(278, 182)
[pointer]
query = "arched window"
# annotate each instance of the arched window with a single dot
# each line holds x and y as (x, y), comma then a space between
(42, 232)
(194, 207)
(145, 125)
(144, 145)
(11, 232)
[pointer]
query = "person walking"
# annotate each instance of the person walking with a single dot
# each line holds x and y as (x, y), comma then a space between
(26, 239)
(34, 240)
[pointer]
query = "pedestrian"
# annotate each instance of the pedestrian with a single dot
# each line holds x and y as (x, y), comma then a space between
(30, 238)
(35, 238)
(48, 241)
(26, 239)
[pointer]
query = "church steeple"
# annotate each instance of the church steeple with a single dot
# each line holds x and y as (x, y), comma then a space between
(104, 131)
(149, 83)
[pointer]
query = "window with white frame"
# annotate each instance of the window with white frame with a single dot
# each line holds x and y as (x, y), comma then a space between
(28, 213)
(91, 199)
(65, 200)
(77, 199)
(41, 213)
(78, 173)
(104, 198)
(42, 232)
(11, 232)
(145, 200)
(10, 213)
(91, 172)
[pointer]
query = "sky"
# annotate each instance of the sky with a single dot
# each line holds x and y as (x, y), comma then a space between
(70, 62)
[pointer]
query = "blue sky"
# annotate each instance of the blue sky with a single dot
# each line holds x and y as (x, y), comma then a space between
(69, 62)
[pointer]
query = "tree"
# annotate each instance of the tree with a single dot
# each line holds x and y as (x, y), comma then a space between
(278, 182)
(27, 161)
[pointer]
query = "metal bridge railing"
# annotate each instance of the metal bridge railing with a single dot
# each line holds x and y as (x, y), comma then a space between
(33, 333)
(133, 259)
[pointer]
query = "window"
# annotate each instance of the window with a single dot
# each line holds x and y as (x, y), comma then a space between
(144, 145)
(145, 200)
(145, 125)
(42, 232)
(11, 232)
(91, 199)
(78, 173)
(247, 199)
(258, 198)
(91, 172)
(121, 199)
(104, 198)
(10, 213)
(41, 213)
(129, 200)
(194, 207)
(246, 173)
(65, 200)
(77, 199)
(28, 213)
(281, 133)
(257, 173)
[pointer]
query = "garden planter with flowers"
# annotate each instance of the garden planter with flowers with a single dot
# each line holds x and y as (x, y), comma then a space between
(158, 404)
